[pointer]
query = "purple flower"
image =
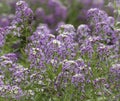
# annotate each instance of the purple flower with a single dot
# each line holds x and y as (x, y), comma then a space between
(66, 29)
(103, 50)
(83, 32)
(86, 49)
(114, 77)
(4, 22)
(77, 79)
(11, 56)
(95, 15)
(115, 70)
(111, 21)
(28, 12)
(100, 82)
(21, 5)
(75, 72)
(23, 12)
(50, 19)
(39, 13)
(2, 36)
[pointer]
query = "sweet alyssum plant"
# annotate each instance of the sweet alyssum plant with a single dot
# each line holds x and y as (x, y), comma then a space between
(80, 64)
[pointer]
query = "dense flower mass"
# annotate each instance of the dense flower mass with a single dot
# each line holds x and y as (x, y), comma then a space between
(59, 50)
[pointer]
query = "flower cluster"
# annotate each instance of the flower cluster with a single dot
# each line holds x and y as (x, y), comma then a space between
(11, 76)
(22, 19)
(45, 46)
(75, 72)
(23, 12)
(114, 77)
(102, 25)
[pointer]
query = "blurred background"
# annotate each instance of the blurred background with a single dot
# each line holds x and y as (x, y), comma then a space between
(55, 12)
